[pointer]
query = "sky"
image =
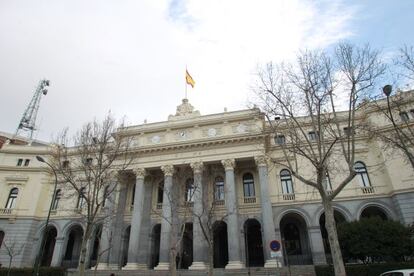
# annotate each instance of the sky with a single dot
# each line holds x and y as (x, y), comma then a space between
(129, 57)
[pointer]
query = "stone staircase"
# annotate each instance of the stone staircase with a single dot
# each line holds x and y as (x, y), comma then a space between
(300, 270)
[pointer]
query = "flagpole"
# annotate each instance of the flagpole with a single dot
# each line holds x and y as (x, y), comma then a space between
(185, 82)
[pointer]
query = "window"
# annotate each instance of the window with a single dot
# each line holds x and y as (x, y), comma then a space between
(404, 116)
(19, 162)
(160, 192)
(361, 170)
(312, 135)
(65, 164)
(189, 190)
(105, 196)
(88, 161)
(11, 201)
(248, 185)
(81, 199)
(412, 113)
(26, 162)
(327, 182)
(219, 188)
(56, 199)
(348, 131)
(1, 238)
(286, 180)
(280, 139)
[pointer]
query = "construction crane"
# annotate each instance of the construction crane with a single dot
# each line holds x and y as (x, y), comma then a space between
(27, 124)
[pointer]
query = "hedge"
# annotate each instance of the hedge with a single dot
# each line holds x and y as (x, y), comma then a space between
(44, 271)
(363, 269)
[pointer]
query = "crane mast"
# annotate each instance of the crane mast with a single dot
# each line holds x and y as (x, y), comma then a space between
(27, 124)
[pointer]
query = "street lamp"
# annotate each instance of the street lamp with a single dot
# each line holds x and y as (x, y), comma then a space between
(43, 237)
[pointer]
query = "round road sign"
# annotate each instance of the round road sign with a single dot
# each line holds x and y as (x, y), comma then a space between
(275, 245)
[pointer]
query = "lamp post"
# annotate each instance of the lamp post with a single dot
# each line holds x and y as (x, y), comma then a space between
(387, 89)
(43, 236)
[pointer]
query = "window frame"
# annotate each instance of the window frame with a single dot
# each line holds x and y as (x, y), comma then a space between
(363, 174)
(56, 198)
(160, 192)
(404, 116)
(19, 162)
(313, 135)
(249, 183)
(286, 182)
(26, 162)
(189, 190)
(219, 188)
(81, 198)
(280, 139)
(12, 198)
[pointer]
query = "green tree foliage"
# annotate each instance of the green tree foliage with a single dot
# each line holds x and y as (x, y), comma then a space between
(373, 240)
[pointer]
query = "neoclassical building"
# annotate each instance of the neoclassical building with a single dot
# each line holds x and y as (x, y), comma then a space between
(225, 156)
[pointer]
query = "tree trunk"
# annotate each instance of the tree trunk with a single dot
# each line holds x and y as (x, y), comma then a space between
(210, 260)
(83, 252)
(173, 256)
(10, 262)
(330, 225)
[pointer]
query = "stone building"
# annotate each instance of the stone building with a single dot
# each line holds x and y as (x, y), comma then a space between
(222, 154)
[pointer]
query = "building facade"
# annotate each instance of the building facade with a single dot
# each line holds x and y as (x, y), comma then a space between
(225, 156)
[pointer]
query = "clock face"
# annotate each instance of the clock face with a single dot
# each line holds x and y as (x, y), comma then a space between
(156, 139)
(182, 134)
(212, 132)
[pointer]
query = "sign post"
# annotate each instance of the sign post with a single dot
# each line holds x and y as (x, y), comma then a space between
(275, 251)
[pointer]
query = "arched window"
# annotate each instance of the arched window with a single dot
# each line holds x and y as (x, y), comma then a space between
(248, 185)
(11, 201)
(189, 190)
(160, 192)
(219, 188)
(1, 238)
(286, 180)
(361, 170)
(81, 198)
(56, 199)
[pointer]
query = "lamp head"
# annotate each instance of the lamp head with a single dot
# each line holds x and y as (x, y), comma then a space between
(387, 90)
(40, 159)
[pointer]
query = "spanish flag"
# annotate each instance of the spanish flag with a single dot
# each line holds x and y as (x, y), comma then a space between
(189, 79)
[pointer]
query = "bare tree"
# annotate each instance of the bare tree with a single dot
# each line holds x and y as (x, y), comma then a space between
(87, 170)
(312, 109)
(12, 249)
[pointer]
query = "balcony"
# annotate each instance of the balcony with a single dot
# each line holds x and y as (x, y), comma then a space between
(159, 205)
(249, 200)
(368, 190)
(188, 204)
(218, 202)
(288, 196)
(6, 211)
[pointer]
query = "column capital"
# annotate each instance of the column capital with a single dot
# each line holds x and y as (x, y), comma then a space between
(228, 164)
(168, 170)
(139, 173)
(262, 160)
(197, 167)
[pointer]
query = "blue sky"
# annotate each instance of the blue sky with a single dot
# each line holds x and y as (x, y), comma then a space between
(125, 56)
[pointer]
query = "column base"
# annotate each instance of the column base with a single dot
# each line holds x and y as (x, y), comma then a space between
(135, 266)
(162, 266)
(105, 266)
(198, 266)
(272, 263)
(234, 265)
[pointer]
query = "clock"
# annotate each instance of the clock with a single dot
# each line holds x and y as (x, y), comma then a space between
(241, 128)
(156, 139)
(182, 134)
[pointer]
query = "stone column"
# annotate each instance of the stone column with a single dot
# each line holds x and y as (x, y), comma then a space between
(233, 231)
(106, 234)
(165, 240)
(200, 247)
(268, 226)
(57, 252)
(318, 251)
(136, 222)
(117, 229)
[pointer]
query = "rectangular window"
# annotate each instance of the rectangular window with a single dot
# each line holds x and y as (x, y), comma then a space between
(26, 162)
(404, 116)
(19, 162)
(280, 139)
(348, 131)
(312, 135)
(88, 161)
(65, 164)
(219, 195)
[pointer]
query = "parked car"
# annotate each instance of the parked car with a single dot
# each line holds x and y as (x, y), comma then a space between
(400, 272)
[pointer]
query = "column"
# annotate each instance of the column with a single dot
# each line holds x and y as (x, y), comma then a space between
(200, 248)
(165, 240)
(268, 226)
(233, 231)
(57, 252)
(136, 222)
(318, 251)
(117, 229)
(106, 234)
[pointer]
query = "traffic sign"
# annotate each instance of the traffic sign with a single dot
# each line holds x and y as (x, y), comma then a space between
(275, 245)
